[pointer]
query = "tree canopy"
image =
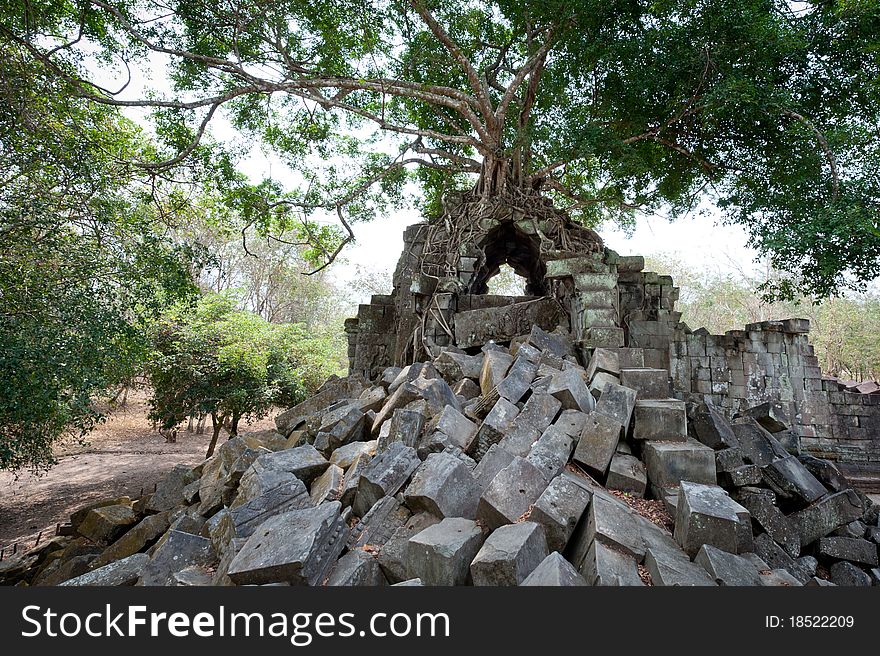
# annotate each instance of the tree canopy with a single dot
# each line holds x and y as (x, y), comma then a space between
(84, 259)
(212, 359)
(769, 108)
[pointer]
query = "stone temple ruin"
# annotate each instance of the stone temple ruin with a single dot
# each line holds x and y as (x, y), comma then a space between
(605, 301)
(580, 435)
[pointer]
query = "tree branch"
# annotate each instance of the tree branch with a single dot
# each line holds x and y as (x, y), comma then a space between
(823, 143)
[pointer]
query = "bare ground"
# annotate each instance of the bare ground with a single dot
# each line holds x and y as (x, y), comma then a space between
(123, 457)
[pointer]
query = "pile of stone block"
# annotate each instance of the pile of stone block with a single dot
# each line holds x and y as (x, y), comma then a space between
(527, 463)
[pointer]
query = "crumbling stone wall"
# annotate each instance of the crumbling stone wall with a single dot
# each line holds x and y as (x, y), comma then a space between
(603, 300)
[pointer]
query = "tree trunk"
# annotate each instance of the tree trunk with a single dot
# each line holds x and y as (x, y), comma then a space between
(493, 176)
(234, 426)
(217, 426)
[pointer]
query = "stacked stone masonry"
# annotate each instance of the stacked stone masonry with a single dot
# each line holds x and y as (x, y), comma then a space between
(609, 301)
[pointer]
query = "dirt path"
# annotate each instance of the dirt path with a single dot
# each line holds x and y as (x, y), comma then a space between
(123, 457)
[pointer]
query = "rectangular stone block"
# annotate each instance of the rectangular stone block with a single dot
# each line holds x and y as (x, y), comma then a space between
(707, 515)
(597, 442)
(385, 475)
(660, 419)
(297, 547)
(510, 494)
(648, 383)
(559, 509)
(618, 403)
(669, 463)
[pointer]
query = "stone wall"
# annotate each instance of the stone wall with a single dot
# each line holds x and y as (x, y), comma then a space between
(603, 300)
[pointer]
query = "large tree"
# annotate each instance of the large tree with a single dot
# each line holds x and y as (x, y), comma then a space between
(767, 107)
(84, 259)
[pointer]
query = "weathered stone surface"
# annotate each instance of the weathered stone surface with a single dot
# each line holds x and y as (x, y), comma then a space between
(554, 342)
(599, 381)
(761, 506)
(510, 494)
(304, 462)
(345, 455)
(410, 583)
(437, 394)
(605, 361)
(826, 515)
(496, 459)
(605, 566)
(385, 475)
(377, 526)
(551, 452)
(660, 419)
(117, 573)
(460, 430)
(539, 411)
(402, 396)
(779, 578)
(441, 554)
(554, 571)
(393, 554)
(776, 558)
(627, 474)
(348, 426)
(445, 487)
(757, 445)
(175, 552)
(105, 524)
(571, 422)
(741, 476)
(559, 509)
(668, 570)
(332, 391)
(728, 459)
(405, 426)
(146, 531)
(412, 373)
(496, 424)
(169, 491)
(372, 400)
(357, 568)
(771, 415)
(611, 522)
(597, 442)
(519, 439)
(475, 327)
(328, 486)
(455, 366)
(727, 568)
(669, 463)
(712, 428)
(518, 379)
(569, 388)
(847, 574)
(466, 389)
(509, 555)
(648, 383)
(495, 367)
(617, 402)
(827, 472)
(297, 547)
(790, 479)
(707, 515)
(192, 576)
(855, 550)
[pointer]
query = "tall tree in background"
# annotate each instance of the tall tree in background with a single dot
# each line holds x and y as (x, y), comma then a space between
(768, 107)
(84, 259)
